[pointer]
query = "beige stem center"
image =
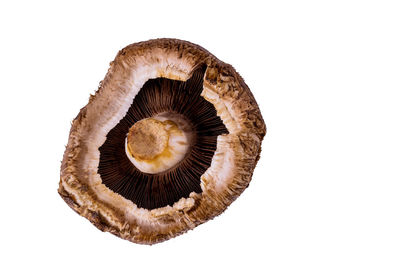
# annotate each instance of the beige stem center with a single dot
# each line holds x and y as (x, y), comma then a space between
(147, 139)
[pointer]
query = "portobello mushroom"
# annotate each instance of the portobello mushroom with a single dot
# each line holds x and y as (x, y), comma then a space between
(168, 142)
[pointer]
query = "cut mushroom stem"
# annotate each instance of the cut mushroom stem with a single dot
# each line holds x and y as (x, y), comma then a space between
(158, 143)
(147, 139)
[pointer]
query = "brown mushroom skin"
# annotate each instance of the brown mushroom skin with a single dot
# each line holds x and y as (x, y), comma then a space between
(80, 185)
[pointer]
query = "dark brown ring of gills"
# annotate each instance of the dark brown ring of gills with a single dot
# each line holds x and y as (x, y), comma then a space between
(160, 95)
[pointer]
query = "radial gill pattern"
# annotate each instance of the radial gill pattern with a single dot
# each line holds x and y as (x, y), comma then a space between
(161, 189)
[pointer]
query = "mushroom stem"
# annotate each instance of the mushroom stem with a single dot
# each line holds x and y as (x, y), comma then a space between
(158, 143)
(147, 139)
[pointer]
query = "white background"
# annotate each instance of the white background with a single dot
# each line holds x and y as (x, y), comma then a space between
(326, 191)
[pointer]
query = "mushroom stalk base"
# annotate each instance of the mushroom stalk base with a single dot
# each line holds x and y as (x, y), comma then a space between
(159, 143)
(147, 139)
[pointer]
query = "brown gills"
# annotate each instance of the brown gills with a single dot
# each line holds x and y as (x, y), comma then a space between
(160, 95)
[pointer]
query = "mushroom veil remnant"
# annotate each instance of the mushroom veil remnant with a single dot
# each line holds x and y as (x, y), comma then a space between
(168, 142)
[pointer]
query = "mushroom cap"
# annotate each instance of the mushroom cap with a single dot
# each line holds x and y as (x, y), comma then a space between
(232, 165)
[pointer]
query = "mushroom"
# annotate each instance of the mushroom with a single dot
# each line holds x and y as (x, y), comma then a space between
(168, 142)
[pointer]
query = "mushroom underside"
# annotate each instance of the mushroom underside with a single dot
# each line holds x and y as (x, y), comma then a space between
(213, 130)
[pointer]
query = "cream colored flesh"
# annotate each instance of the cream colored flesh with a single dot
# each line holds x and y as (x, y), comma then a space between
(180, 136)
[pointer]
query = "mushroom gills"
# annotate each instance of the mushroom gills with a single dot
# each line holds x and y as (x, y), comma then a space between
(158, 152)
